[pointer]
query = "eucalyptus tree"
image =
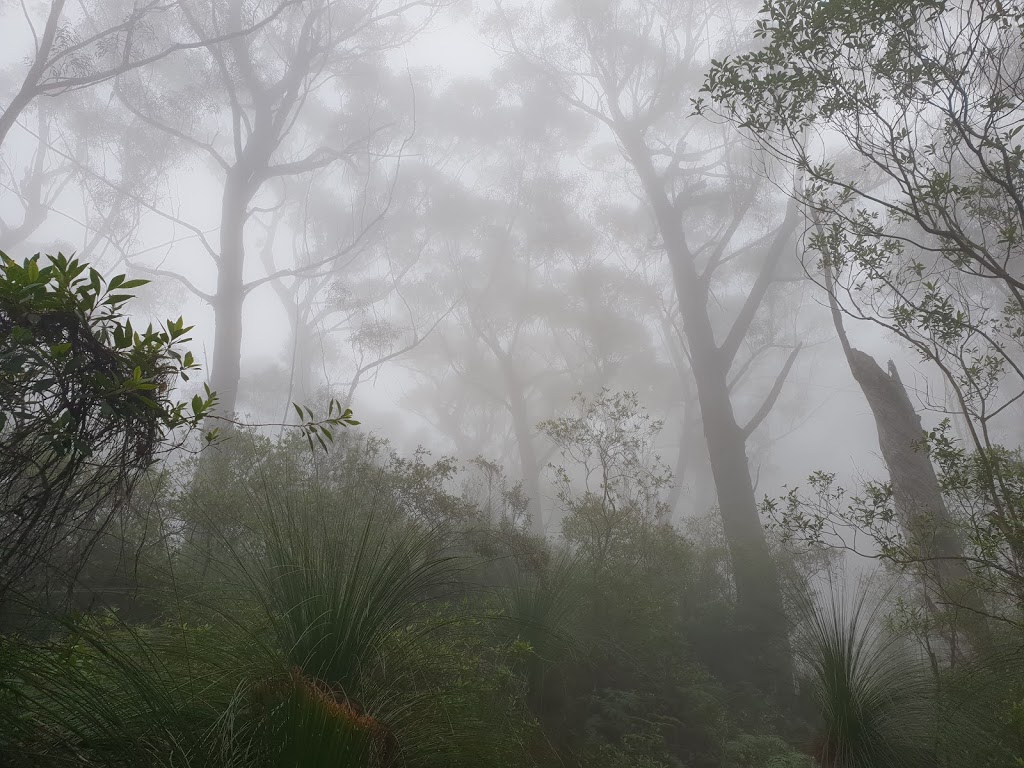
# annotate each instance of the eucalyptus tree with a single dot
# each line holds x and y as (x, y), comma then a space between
(781, 330)
(297, 97)
(541, 308)
(919, 232)
(631, 67)
(377, 302)
(921, 225)
(103, 173)
(78, 49)
(500, 348)
(74, 162)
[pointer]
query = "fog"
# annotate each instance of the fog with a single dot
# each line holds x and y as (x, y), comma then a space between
(436, 72)
(469, 222)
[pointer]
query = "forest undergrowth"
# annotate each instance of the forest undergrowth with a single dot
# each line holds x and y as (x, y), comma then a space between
(280, 607)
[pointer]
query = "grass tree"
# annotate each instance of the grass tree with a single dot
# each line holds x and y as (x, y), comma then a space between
(875, 698)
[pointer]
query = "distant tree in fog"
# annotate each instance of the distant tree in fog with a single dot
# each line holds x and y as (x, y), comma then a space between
(631, 67)
(914, 195)
(298, 97)
(100, 41)
(540, 309)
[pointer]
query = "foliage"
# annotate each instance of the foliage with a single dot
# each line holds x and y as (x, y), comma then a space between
(342, 609)
(318, 636)
(338, 599)
(307, 723)
(903, 121)
(101, 692)
(264, 605)
(981, 707)
(322, 430)
(335, 589)
(750, 751)
(874, 696)
(608, 445)
(86, 405)
(823, 513)
(920, 225)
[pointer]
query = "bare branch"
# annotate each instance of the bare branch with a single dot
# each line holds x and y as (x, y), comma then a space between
(773, 394)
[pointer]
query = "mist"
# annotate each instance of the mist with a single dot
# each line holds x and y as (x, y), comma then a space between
(622, 360)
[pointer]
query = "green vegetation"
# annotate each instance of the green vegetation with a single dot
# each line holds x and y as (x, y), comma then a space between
(335, 624)
(303, 594)
(265, 604)
(86, 406)
(347, 608)
(332, 623)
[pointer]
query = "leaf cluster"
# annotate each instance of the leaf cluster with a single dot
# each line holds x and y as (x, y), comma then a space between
(86, 402)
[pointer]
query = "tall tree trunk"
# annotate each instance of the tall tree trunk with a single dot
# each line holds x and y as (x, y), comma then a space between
(227, 344)
(917, 495)
(306, 356)
(687, 446)
(758, 592)
(301, 377)
(522, 427)
(689, 464)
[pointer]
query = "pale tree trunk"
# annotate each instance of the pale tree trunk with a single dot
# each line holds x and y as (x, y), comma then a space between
(225, 373)
(522, 426)
(689, 442)
(302, 330)
(523, 429)
(227, 307)
(304, 337)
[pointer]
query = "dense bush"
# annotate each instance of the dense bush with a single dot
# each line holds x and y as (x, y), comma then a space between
(354, 595)
(86, 406)
(266, 604)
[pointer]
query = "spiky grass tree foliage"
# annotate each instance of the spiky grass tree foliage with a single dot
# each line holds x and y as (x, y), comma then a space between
(874, 695)
(982, 707)
(541, 607)
(103, 693)
(540, 604)
(340, 589)
(308, 723)
(325, 639)
(357, 591)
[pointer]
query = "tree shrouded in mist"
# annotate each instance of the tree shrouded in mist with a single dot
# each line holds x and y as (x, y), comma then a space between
(685, 338)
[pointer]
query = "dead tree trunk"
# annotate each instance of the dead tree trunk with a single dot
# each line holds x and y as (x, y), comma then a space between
(917, 496)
